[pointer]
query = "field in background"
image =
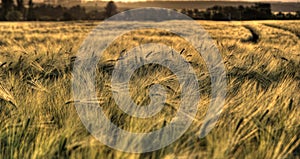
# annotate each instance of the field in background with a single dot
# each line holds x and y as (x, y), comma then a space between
(39, 120)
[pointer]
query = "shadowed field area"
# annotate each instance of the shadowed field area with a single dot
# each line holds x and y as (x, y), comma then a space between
(38, 118)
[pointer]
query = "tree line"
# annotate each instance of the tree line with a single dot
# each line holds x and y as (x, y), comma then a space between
(258, 11)
(19, 11)
(9, 11)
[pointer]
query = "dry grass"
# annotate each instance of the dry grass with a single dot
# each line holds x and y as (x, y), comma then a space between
(260, 118)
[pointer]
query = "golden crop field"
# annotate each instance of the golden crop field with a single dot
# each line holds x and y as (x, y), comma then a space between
(260, 118)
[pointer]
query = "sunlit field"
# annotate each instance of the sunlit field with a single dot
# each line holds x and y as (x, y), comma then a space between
(260, 119)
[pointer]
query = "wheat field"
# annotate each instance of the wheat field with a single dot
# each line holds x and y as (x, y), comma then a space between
(259, 120)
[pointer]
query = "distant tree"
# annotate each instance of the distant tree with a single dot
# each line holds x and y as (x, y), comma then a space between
(67, 16)
(21, 8)
(7, 4)
(257, 11)
(31, 15)
(290, 16)
(30, 3)
(216, 9)
(110, 9)
(51, 13)
(250, 13)
(298, 14)
(184, 11)
(240, 10)
(14, 15)
(6, 7)
(20, 5)
(216, 13)
(95, 15)
(207, 15)
(263, 10)
(196, 11)
(190, 13)
(198, 14)
(77, 12)
(219, 16)
(280, 15)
